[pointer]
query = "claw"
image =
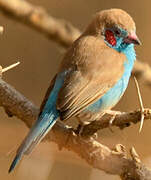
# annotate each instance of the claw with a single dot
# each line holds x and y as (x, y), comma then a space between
(112, 119)
(111, 122)
(80, 129)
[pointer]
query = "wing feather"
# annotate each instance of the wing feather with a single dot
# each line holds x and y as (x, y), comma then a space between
(92, 73)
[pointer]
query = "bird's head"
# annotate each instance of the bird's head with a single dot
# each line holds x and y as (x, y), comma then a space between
(116, 27)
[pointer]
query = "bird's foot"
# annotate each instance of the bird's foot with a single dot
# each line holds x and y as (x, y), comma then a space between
(95, 136)
(67, 138)
(113, 113)
(111, 122)
(79, 129)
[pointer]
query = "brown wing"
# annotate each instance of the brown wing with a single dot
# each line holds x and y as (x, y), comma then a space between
(94, 71)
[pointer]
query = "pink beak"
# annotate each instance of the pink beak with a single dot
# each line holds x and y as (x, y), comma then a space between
(132, 38)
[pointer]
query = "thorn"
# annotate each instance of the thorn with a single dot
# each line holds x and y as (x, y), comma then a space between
(142, 122)
(134, 155)
(140, 103)
(10, 67)
(1, 29)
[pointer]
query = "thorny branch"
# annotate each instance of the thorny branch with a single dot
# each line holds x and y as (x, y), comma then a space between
(113, 161)
(121, 120)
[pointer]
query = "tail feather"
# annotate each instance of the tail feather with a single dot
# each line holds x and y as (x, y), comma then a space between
(15, 162)
(37, 132)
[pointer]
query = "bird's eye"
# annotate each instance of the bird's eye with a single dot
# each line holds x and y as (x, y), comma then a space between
(117, 32)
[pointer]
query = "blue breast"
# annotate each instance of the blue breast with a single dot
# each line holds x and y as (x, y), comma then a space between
(112, 97)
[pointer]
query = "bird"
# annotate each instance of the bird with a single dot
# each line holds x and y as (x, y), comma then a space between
(92, 76)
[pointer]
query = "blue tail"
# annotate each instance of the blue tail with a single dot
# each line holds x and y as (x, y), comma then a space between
(44, 123)
(14, 163)
(37, 132)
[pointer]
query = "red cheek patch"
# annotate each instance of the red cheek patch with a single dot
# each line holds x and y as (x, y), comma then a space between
(110, 38)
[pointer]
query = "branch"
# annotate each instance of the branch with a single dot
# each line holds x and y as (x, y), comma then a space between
(113, 161)
(121, 120)
(94, 153)
(37, 18)
(99, 156)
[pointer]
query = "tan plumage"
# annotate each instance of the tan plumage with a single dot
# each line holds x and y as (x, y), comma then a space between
(110, 18)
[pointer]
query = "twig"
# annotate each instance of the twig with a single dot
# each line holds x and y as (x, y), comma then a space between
(96, 154)
(37, 18)
(10, 67)
(121, 120)
(2, 70)
(16, 104)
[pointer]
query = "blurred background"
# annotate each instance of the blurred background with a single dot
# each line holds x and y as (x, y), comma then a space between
(39, 59)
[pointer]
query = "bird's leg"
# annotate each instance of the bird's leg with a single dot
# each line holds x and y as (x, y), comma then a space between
(80, 126)
(113, 113)
(67, 137)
